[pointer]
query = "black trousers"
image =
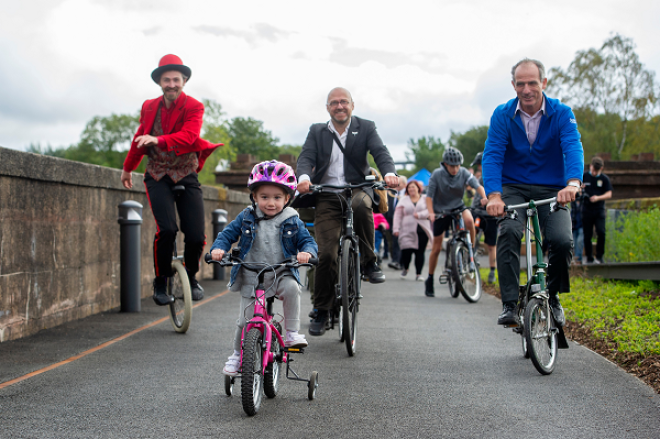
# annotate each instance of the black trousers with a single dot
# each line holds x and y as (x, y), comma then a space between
(190, 207)
(589, 220)
(557, 232)
(327, 226)
(419, 252)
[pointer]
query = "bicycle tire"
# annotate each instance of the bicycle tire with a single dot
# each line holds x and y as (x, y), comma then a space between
(349, 275)
(541, 339)
(468, 280)
(178, 286)
(453, 291)
(272, 374)
(338, 318)
(229, 385)
(252, 382)
(522, 305)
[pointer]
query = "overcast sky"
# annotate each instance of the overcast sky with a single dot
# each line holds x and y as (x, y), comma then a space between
(415, 67)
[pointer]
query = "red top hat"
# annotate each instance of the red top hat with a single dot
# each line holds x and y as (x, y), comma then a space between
(167, 63)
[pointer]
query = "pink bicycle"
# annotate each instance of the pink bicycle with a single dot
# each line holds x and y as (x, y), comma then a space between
(262, 346)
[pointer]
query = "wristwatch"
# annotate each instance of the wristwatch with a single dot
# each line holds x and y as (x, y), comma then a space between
(574, 184)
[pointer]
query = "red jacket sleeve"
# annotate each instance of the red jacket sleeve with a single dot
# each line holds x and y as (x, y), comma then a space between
(134, 156)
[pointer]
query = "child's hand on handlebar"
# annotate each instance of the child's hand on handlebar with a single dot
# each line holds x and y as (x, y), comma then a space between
(303, 257)
(217, 254)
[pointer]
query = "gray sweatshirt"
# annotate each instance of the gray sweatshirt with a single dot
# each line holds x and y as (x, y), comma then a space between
(447, 190)
(266, 247)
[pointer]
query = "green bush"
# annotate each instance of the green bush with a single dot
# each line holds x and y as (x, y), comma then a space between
(634, 237)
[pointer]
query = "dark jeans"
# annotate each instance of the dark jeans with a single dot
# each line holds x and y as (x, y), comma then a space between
(327, 227)
(589, 220)
(557, 232)
(419, 252)
(190, 208)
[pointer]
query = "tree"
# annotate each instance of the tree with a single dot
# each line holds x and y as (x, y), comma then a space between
(470, 143)
(610, 81)
(249, 137)
(216, 130)
(425, 152)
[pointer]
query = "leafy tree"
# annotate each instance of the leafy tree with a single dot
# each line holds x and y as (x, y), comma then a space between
(216, 130)
(470, 142)
(249, 137)
(610, 81)
(425, 152)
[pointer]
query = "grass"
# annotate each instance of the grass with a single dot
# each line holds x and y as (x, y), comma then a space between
(620, 320)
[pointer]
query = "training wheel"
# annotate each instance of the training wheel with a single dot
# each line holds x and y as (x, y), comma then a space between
(312, 385)
(229, 385)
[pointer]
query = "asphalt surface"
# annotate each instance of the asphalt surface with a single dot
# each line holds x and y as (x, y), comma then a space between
(425, 367)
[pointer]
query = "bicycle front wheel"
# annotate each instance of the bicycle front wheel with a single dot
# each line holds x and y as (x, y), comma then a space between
(178, 286)
(252, 383)
(350, 292)
(540, 336)
(466, 275)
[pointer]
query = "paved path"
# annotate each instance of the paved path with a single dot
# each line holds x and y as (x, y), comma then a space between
(425, 367)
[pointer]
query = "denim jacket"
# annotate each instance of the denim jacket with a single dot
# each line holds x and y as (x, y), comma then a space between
(293, 236)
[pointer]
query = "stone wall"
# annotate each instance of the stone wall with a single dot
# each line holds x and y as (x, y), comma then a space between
(59, 239)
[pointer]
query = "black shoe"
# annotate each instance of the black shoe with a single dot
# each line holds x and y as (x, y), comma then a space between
(557, 310)
(508, 316)
(313, 313)
(317, 327)
(373, 274)
(394, 266)
(196, 290)
(160, 292)
(428, 284)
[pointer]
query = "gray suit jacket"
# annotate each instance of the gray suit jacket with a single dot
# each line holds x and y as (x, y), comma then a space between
(362, 139)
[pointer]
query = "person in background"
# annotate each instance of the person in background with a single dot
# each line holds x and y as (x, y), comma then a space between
(484, 221)
(412, 228)
(578, 230)
(393, 200)
(381, 228)
(597, 189)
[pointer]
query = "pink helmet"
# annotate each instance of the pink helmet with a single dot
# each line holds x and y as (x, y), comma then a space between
(273, 172)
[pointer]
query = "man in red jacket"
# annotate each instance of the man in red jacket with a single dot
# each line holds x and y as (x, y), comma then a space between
(169, 135)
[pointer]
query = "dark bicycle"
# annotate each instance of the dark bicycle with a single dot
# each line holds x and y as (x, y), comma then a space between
(461, 270)
(347, 299)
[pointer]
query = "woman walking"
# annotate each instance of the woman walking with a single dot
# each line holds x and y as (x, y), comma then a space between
(412, 227)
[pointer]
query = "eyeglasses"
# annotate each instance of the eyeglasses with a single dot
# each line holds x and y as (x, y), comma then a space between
(335, 104)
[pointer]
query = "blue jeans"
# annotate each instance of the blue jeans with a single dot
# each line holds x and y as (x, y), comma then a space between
(378, 238)
(578, 243)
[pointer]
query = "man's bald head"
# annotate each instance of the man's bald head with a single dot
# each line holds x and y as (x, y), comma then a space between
(341, 90)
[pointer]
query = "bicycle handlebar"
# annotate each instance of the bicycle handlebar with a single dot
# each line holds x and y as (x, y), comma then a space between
(526, 205)
(229, 260)
(373, 184)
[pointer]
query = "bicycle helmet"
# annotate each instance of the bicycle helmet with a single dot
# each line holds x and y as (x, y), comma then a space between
(273, 172)
(452, 156)
(477, 159)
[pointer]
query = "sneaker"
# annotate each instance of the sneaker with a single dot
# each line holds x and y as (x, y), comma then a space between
(418, 278)
(294, 340)
(428, 285)
(196, 290)
(317, 327)
(404, 273)
(232, 366)
(491, 277)
(160, 292)
(373, 274)
(394, 266)
(508, 316)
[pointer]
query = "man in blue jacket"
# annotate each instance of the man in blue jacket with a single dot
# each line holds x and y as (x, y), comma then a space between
(533, 151)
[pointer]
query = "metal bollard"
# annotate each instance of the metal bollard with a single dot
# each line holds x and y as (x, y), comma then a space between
(130, 219)
(219, 223)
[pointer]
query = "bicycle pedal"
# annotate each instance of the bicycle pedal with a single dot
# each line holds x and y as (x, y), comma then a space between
(517, 329)
(295, 350)
(514, 326)
(443, 279)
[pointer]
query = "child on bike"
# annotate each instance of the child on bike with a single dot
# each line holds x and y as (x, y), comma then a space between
(269, 232)
(445, 193)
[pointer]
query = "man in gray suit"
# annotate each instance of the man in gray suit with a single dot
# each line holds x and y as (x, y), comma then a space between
(323, 162)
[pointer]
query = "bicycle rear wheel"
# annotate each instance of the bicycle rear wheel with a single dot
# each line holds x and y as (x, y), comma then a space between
(252, 382)
(540, 336)
(178, 286)
(466, 275)
(350, 292)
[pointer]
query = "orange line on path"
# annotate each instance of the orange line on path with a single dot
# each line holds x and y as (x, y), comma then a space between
(98, 348)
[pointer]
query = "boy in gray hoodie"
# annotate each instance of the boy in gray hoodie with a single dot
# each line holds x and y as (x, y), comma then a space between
(269, 232)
